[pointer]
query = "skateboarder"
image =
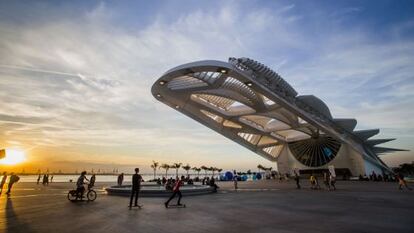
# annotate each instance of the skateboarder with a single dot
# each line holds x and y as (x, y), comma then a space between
(176, 191)
(136, 186)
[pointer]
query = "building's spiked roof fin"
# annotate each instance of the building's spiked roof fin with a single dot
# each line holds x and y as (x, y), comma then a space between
(365, 134)
(348, 124)
(381, 150)
(374, 142)
(259, 68)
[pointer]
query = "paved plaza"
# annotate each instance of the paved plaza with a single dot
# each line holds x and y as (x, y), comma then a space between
(262, 206)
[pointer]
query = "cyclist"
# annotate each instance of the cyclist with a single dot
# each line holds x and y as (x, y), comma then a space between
(80, 189)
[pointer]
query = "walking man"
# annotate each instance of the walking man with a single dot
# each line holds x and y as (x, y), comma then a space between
(3, 181)
(332, 180)
(235, 180)
(176, 191)
(136, 186)
(38, 178)
(297, 179)
(44, 179)
(121, 179)
(326, 180)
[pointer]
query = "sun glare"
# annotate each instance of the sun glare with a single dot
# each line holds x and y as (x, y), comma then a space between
(13, 156)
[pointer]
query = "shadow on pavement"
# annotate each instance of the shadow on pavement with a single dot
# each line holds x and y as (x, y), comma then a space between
(12, 223)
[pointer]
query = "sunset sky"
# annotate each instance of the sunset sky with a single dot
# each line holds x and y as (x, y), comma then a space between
(75, 76)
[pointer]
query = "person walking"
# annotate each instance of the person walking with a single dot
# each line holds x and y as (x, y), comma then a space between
(312, 181)
(3, 181)
(235, 180)
(402, 182)
(51, 179)
(44, 179)
(176, 191)
(13, 179)
(213, 184)
(38, 178)
(332, 181)
(326, 180)
(297, 179)
(121, 179)
(136, 186)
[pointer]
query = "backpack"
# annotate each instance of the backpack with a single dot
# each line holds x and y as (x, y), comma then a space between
(14, 179)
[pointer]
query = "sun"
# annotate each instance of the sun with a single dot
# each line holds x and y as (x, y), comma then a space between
(13, 156)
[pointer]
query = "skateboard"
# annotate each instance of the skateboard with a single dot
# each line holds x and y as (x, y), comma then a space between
(177, 206)
(138, 206)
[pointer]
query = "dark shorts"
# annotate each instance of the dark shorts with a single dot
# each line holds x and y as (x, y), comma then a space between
(80, 190)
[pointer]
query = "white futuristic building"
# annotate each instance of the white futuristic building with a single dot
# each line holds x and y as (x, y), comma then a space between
(252, 105)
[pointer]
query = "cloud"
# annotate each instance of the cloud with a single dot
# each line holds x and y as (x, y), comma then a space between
(84, 82)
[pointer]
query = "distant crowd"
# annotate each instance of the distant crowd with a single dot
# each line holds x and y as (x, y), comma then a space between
(328, 179)
(46, 179)
(169, 183)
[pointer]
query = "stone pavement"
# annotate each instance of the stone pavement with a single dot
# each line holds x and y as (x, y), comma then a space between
(263, 206)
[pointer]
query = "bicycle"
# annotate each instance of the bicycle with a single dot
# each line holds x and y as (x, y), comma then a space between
(75, 195)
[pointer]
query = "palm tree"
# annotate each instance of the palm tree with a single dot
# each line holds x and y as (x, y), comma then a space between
(154, 167)
(205, 169)
(176, 166)
(260, 167)
(213, 169)
(197, 169)
(219, 170)
(166, 167)
(187, 168)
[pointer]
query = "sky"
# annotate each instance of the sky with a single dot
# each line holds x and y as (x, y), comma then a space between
(75, 76)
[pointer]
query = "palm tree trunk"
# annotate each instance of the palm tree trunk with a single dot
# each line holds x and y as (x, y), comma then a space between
(154, 173)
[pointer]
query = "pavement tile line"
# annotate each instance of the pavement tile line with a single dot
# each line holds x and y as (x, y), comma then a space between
(255, 207)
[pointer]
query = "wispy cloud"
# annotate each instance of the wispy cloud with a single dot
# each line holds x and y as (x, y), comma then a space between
(83, 82)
